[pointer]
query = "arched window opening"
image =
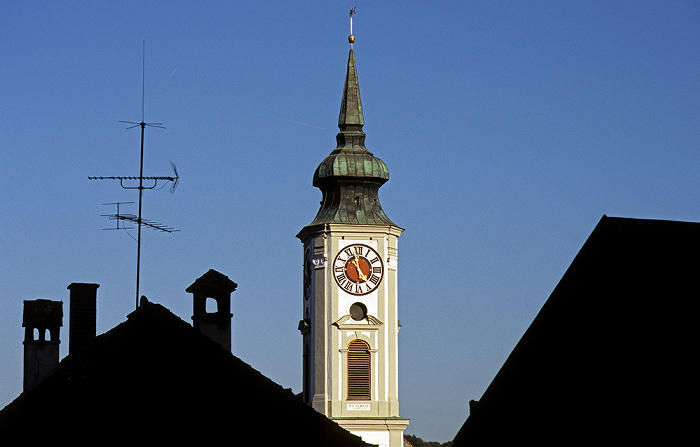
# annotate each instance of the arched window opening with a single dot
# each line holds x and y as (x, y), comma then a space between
(211, 306)
(358, 370)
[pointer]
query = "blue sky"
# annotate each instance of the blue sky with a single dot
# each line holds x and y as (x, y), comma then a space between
(509, 129)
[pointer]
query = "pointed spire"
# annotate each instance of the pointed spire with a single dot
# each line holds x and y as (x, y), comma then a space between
(351, 105)
(350, 176)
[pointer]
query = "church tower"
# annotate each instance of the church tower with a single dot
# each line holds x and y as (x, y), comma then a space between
(350, 319)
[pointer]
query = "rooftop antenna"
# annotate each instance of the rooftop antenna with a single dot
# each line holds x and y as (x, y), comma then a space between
(152, 184)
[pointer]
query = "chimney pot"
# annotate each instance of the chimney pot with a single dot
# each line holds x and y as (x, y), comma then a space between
(41, 353)
(82, 323)
(215, 325)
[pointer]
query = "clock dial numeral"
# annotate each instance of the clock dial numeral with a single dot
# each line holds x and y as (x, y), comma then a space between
(358, 269)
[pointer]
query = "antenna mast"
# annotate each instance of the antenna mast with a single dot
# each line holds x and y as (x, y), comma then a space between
(174, 179)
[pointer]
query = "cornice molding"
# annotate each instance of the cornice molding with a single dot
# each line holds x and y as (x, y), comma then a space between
(349, 230)
(346, 323)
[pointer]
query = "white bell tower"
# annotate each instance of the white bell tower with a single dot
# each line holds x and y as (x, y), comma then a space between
(350, 319)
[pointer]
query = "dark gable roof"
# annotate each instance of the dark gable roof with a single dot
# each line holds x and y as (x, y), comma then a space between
(154, 378)
(609, 357)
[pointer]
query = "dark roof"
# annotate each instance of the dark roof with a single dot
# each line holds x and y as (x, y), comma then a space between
(214, 283)
(608, 359)
(154, 378)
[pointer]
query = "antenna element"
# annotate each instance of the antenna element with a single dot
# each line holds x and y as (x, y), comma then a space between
(152, 184)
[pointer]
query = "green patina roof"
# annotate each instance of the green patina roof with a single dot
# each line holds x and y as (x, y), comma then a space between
(360, 164)
(350, 176)
(351, 106)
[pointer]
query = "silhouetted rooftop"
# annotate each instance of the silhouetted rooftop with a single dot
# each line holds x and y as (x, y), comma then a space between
(608, 358)
(155, 378)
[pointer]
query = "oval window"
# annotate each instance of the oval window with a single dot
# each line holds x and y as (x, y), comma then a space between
(358, 312)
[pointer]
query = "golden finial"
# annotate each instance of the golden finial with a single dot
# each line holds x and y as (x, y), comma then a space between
(351, 39)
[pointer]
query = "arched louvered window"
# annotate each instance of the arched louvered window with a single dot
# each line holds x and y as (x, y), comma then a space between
(358, 370)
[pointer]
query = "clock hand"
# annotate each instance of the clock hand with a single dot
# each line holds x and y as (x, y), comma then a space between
(359, 270)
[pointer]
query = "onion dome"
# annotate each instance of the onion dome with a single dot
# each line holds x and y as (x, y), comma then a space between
(350, 176)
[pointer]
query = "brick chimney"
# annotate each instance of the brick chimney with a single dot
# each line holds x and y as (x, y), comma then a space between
(82, 323)
(41, 353)
(215, 325)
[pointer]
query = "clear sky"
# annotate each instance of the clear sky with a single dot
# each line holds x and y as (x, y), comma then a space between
(509, 129)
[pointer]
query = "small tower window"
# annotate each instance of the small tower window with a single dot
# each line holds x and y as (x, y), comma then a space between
(211, 306)
(358, 311)
(358, 370)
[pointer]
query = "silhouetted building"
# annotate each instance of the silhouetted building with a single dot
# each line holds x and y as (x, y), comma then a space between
(609, 359)
(155, 378)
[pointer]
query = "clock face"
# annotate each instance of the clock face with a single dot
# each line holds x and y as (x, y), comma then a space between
(358, 269)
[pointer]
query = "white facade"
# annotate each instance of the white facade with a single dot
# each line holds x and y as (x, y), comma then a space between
(332, 326)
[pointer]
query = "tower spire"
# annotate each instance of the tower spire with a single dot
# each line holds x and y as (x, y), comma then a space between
(351, 106)
(350, 176)
(351, 117)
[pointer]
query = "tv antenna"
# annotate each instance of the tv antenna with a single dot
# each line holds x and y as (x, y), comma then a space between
(151, 183)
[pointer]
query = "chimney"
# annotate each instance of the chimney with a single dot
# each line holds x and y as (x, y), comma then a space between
(82, 323)
(215, 325)
(41, 353)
